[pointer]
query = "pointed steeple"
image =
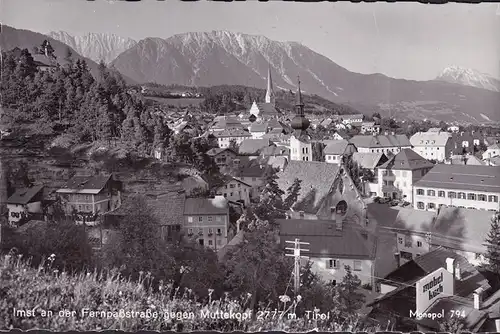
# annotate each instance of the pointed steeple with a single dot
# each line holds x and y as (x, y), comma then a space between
(270, 91)
(300, 123)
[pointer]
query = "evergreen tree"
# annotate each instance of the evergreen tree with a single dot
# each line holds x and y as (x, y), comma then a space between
(349, 296)
(292, 194)
(493, 245)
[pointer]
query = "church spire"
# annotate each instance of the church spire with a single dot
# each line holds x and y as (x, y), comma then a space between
(300, 123)
(270, 91)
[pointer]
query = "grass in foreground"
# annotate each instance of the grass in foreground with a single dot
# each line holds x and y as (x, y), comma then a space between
(90, 301)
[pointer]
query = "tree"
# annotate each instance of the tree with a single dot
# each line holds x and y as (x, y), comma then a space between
(47, 49)
(257, 266)
(349, 296)
(292, 194)
(270, 206)
(493, 245)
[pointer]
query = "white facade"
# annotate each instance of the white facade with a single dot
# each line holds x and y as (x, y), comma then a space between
(225, 141)
(491, 152)
(426, 198)
(235, 191)
(330, 269)
(411, 246)
(16, 211)
(333, 158)
(392, 149)
(352, 119)
(432, 145)
(398, 184)
(300, 150)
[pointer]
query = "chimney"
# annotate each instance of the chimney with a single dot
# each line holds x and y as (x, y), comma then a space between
(458, 273)
(450, 265)
(478, 299)
(397, 256)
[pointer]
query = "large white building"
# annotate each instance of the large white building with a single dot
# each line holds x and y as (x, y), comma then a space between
(462, 186)
(492, 151)
(433, 145)
(397, 176)
(381, 143)
(336, 150)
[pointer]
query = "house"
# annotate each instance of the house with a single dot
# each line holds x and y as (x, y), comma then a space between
(397, 176)
(453, 128)
(258, 129)
(465, 142)
(324, 187)
(438, 282)
(437, 145)
(254, 174)
(462, 230)
(225, 137)
(275, 162)
(463, 186)
(326, 123)
(207, 220)
(90, 196)
(24, 204)
(370, 128)
(335, 150)
(253, 147)
(275, 151)
(370, 161)
(223, 157)
(381, 143)
(234, 190)
(221, 123)
(332, 246)
(492, 151)
(341, 135)
(354, 120)
(166, 206)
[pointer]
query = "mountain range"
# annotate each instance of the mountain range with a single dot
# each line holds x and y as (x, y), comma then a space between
(221, 57)
(228, 58)
(95, 46)
(469, 77)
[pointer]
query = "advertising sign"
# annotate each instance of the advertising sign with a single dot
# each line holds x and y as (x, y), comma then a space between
(437, 283)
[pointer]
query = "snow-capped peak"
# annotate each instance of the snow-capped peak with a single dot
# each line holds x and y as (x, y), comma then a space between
(469, 77)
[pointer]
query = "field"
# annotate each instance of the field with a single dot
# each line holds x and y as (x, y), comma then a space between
(181, 102)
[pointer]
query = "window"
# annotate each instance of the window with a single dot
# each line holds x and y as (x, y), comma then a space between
(431, 206)
(231, 194)
(210, 242)
(231, 186)
(357, 265)
(452, 194)
(225, 194)
(400, 240)
(201, 241)
(190, 219)
(420, 191)
(431, 193)
(492, 198)
(190, 231)
(420, 205)
(200, 231)
(209, 218)
(441, 193)
(219, 231)
(481, 197)
(419, 243)
(200, 218)
(332, 264)
(210, 231)
(471, 196)
(461, 195)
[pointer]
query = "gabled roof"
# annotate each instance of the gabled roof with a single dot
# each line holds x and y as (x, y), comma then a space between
(326, 241)
(461, 177)
(368, 160)
(337, 147)
(380, 141)
(85, 184)
(251, 170)
(206, 206)
(317, 181)
(407, 159)
(24, 196)
(253, 146)
(275, 150)
(225, 179)
(430, 138)
(217, 150)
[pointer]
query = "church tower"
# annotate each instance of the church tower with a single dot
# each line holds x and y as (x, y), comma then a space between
(300, 141)
(270, 98)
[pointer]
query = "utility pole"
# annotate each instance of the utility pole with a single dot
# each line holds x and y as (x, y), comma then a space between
(296, 254)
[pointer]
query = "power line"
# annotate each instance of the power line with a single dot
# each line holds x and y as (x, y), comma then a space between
(297, 255)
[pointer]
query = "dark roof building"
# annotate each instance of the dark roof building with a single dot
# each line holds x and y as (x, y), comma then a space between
(206, 206)
(369, 160)
(380, 141)
(253, 146)
(26, 195)
(86, 184)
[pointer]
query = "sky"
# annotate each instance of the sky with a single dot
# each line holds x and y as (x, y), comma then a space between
(401, 40)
